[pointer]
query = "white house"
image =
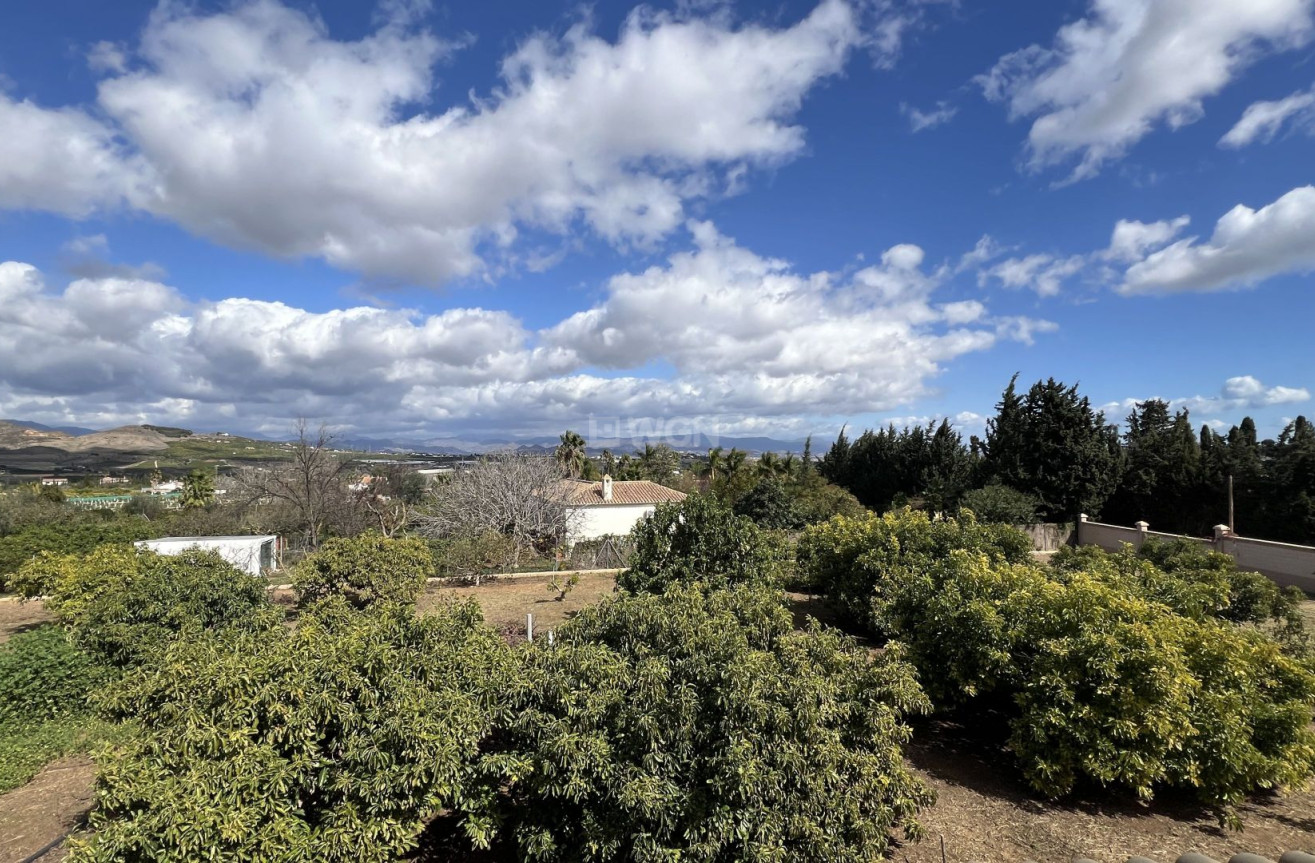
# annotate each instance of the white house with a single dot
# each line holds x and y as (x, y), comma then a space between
(611, 508)
(254, 555)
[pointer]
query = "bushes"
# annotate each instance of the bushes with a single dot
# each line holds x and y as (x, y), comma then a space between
(329, 742)
(699, 726)
(699, 539)
(75, 536)
(1110, 670)
(365, 570)
(852, 558)
(43, 676)
(122, 605)
(44, 685)
(1000, 504)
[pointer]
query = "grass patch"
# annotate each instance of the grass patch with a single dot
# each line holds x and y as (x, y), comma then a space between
(26, 747)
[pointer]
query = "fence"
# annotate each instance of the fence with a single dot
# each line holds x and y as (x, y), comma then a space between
(172, 500)
(1283, 562)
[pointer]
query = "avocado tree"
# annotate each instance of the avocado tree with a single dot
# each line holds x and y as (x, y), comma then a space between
(702, 726)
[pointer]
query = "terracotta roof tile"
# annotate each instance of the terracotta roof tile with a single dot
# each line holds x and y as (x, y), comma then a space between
(624, 492)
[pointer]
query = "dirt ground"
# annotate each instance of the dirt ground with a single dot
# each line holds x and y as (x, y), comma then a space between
(16, 617)
(53, 803)
(507, 601)
(984, 812)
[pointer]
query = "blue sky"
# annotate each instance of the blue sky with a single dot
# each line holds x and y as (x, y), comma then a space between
(450, 219)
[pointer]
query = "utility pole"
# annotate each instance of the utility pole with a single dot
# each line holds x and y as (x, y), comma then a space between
(1230, 504)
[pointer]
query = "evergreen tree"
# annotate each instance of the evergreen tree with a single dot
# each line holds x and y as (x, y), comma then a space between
(1161, 476)
(1053, 444)
(1294, 473)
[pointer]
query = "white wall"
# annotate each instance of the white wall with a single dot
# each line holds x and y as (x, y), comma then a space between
(1284, 563)
(241, 552)
(592, 522)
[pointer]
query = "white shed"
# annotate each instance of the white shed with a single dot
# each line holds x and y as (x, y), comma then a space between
(612, 508)
(254, 555)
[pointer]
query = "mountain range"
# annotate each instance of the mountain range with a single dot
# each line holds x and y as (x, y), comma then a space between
(22, 434)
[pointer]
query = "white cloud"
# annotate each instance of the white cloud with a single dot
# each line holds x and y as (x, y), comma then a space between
(1131, 239)
(1261, 121)
(256, 128)
(1242, 393)
(1042, 273)
(747, 339)
(62, 161)
(919, 120)
(1247, 247)
(1132, 65)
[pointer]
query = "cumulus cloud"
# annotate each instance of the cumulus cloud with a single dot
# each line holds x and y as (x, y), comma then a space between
(920, 120)
(1042, 273)
(1262, 121)
(1241, 393)
(1247, 246)
(747, 339)
(1131, 239)
(255, 127)
(1130, 66)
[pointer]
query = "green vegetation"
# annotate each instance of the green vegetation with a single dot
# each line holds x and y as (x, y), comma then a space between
(1049, 455)
(693, 726)
(365, 570)
(1112, 672)
(700, 540)
(327, 742)
(69, 536)
(122, 605)
(44, 685)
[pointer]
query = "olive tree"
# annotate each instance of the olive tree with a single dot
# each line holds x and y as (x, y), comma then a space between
(702, 726)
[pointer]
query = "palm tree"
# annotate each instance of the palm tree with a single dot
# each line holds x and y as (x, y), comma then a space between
(658, 462)
(571, 454)
(198, 489)
(735, 461)
(789, 465)
(715, 463)
(768, 464)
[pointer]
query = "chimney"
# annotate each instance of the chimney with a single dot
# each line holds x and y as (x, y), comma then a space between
(607, 486)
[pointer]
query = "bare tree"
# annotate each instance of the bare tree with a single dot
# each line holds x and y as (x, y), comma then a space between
(311, 485)
(517, 495)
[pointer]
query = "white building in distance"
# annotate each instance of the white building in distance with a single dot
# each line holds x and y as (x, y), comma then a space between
(254, 555)
(611, 508)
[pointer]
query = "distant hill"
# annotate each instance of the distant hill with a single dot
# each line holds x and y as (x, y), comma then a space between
(24, 434)
(127, 439)
(69, 430)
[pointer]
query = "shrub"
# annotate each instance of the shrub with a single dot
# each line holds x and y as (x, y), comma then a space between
(122, 604)
(328, 742)
(853, 559)
(43, 676)
(1109, 670)
(702, 726)
(1000, 504)
(365, 570)
(769, 505)
(77, 536)
(817, 500)
(699, 539)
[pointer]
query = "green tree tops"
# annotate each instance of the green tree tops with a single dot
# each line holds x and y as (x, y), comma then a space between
(365, 570)
(698, 539)
(703, 727)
